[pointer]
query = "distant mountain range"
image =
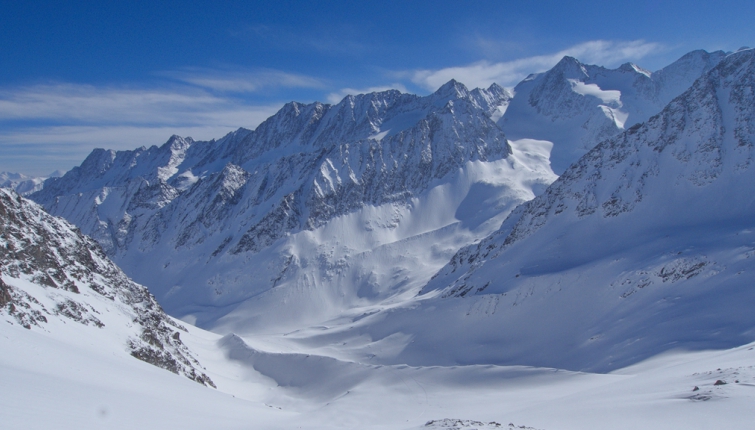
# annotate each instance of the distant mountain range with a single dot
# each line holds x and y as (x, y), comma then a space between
(340, 205)
(23, 184)
(434, 226)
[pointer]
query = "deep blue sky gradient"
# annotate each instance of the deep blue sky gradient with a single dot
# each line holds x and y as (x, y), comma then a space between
(93, 51)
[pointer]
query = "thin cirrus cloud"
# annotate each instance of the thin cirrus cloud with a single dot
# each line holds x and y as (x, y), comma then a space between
(90, 104)
(202, 97)
(243, 81)
(509, 73)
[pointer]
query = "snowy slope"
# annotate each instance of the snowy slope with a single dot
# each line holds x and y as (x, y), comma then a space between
(323, 208)
(56, 281)
(53, 382)
(576, 105)
(645, 244)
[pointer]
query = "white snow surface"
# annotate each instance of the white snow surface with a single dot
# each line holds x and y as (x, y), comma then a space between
(64, 371)
(63, 379)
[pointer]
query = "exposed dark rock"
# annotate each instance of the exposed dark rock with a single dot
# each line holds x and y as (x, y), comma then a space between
(54, 255)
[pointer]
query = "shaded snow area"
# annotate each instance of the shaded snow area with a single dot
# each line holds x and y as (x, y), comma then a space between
(643, 245)
(398, 262)
(52, 381)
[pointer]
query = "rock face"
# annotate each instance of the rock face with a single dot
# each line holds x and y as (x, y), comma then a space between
(50, 271)
(297, 170)
(576, 105)
(226, 220)
(644, 243)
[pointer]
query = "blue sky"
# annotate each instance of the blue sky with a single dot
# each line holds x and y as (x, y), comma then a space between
(122, 74)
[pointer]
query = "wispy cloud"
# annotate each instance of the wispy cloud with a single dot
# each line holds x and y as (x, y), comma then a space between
(88, 104)
(337, 96)
(243, 81)
(509, 73)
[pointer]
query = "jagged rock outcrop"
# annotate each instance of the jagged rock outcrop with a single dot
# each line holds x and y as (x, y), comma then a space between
(49, 270)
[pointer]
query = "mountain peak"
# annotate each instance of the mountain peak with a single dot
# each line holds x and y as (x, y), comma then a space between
(177, 142)
(499, 90)
(570, 68)
(568, 61)
(633, 68)
(453, 89)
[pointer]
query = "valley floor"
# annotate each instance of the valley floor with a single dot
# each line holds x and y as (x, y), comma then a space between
(76, 383)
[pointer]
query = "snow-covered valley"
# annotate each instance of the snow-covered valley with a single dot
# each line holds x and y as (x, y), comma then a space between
(89, 386)
(405, 262)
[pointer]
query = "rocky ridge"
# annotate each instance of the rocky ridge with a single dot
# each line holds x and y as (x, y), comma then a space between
(309, 163)
(177, 217)
(50, 271)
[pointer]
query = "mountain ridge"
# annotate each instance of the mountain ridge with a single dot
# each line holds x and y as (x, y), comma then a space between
(188, 205)
(576, 105)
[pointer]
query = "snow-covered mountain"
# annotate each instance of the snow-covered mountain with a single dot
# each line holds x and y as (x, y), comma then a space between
(322, 207)
(644, 245)
(341, 215)
(55, 280)
(310, 246)
(23, 184)
(577, 105)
